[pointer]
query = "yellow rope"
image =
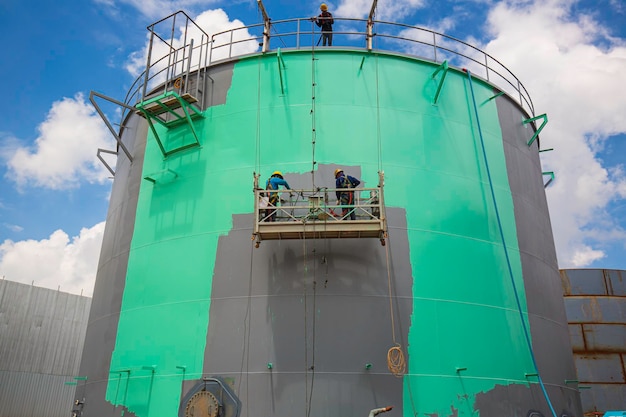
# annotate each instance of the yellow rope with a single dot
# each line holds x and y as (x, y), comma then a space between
(395, 361)
(395, 357)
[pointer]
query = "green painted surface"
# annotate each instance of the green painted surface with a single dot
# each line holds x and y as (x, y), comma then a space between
(464, 312)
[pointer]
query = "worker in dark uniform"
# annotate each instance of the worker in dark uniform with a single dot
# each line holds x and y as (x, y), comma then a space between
(346, 198)
(273, 183)
(325, 21)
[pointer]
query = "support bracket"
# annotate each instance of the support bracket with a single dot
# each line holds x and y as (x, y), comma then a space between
(551, 174)
(100, 151)
(443, 67)
(279, 58)
(106, 121)
(532, 119)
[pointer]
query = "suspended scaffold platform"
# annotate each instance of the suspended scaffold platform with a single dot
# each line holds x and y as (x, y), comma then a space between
(317, 214)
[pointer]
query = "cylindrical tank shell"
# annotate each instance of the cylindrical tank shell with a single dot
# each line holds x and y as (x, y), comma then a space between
(304, 326)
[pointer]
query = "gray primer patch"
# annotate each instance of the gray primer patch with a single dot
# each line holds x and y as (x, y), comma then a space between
(548, 324)
(317, 311)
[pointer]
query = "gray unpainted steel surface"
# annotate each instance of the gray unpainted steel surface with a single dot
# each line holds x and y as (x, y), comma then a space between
(112, 266)
(41, 339)
(278, 304)
(548, 323)
(594, 282)
(595, 301)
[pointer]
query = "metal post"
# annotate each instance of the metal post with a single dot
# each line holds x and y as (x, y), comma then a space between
(147, 72)
(370, 25)
(186, 77)
(266, 27)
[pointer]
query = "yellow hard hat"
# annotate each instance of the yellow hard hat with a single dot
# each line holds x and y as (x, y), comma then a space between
(337, 171)
(323, 7)
(280, 174)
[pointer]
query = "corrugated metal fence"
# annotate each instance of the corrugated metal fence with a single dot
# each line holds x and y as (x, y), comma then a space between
(42, 333)
(595, 304)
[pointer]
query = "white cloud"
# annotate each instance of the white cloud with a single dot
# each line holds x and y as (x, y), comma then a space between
(64, 153)
(572, 68)
(211, 22)
(12, 227)
(155, 9)
(57, 262)
(386, 10)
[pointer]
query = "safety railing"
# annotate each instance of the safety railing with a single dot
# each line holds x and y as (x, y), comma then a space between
(185, 57)
(302, 214)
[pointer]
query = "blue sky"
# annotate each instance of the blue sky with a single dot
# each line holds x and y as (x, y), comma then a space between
(570, 55)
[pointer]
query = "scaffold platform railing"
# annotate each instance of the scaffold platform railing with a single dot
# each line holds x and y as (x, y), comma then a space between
(318, 214)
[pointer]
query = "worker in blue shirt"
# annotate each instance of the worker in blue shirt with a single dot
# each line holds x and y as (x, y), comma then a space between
(273, 183)
(346, 198)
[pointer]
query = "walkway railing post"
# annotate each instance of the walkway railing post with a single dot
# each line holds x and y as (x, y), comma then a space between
(370, 26)
(266, 27)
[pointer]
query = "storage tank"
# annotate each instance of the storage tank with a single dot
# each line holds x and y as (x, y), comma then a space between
(441, 297)
(595, 305)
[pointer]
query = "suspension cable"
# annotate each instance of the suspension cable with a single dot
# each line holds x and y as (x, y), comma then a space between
(306, 347)
(506, 252)
(313, 115)
(245, 354)
(378, 135)
(395, 356)
(257, 156)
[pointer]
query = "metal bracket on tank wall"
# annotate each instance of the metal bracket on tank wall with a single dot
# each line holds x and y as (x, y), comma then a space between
(551, 174)
(162, 177)
(443, 67)
(106, 121)
(545, 121)
(100, 151)
(493, 97)
(280, 59)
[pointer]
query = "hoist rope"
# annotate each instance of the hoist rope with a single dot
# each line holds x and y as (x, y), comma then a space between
(378, 135)
(311, 368)
(307, 367)
(313, 115)
(257, 156)
(396, 362)
(506, 252)
(245, 354)
(395, 356)
(306, 346)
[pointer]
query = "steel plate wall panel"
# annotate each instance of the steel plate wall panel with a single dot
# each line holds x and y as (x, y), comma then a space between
(616, 281)
(600, 368)
(41, 339)
(596, 313)
(576, 337)
(595, 309)
(604, 396)
(605, 337)
(25, 394)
